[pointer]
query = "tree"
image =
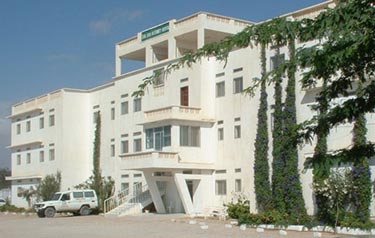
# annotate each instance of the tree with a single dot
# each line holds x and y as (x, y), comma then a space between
(263, 191)
(97, 176)
(278, 162)
(102, 186)
(28, 194)
(295, 205)
(4, 172)
(49, 186)
(361, 194)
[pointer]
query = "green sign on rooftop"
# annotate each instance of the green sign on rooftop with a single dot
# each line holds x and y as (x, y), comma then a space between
(157, 30)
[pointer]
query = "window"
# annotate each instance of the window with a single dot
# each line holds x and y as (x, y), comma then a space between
(112, 150)
(237, 185)
(221, 171)
(137, 105)
(189, 136)
(137, 175)
(124, 108)
(95, 116)
(157, 138)
(137, 188)
(52, 154)
(28, 126)
(51, 120)
(41, 123)
(78, 194)
(18, 159)
(18, 129)
(276, 61)
(125, 186)
(220, 89)
(237, 131)
(237, 85)
(28, 158)
(221, 187)
(41, 156)
(137, 145)
(184, 96)
(112, 113)
(124, 147)
(220, 134)
(65, 197)
(89, 194)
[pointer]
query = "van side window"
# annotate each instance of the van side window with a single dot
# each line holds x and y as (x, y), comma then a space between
(89, 194)
(65, 197)
(78, 194)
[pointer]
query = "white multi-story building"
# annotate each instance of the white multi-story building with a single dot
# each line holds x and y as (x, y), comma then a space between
(192, 133)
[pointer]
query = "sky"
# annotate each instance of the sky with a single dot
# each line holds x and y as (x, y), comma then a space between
(46, 45)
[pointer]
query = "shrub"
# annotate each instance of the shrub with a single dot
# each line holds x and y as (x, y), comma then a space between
(238, 209)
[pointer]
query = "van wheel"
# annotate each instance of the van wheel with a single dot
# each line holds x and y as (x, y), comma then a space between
(41, 214)
(49, 212)
(84, 211)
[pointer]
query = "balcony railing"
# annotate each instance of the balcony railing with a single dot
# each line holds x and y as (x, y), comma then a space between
(175, 113)
(151, 154)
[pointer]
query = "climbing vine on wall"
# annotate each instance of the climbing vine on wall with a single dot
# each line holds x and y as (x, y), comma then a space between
(293, 198)
(263, 191)
(361, 196)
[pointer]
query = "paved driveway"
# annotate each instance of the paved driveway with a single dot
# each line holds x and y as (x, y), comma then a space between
(147, 225)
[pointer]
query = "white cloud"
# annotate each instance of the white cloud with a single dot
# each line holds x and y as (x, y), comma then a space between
(100, 27)
(135, 15)
(114, 17)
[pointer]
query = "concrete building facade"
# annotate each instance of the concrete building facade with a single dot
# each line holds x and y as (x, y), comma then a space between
(192, 133)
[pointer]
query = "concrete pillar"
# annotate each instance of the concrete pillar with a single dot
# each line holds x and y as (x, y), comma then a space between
(154, 191)
(184, 193)
(118, 66)
(172, 48)
(200, 38)
(149, 56)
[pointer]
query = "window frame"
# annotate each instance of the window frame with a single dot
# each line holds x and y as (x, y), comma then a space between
(237, 132)
(137, 142)
(187, 136)
(124, 107)
(124, 146)
(52, 120)
(238, 85)
(220, 89)
(220, 134)
(137, 105)
(52, 154)
(221, 187)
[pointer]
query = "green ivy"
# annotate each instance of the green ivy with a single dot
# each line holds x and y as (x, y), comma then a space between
(321, 173)
(361, 196)
(294, 202)
(278, 163)
(263, 191)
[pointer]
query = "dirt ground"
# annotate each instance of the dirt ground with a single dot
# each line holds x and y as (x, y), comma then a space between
(146, 225)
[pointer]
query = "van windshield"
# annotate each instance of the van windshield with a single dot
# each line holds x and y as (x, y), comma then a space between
(56, 197)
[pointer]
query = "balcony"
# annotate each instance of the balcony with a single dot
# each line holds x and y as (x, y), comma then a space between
(176, 113)
(159, 160)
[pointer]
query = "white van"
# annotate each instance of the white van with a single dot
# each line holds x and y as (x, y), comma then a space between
(79, 202)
